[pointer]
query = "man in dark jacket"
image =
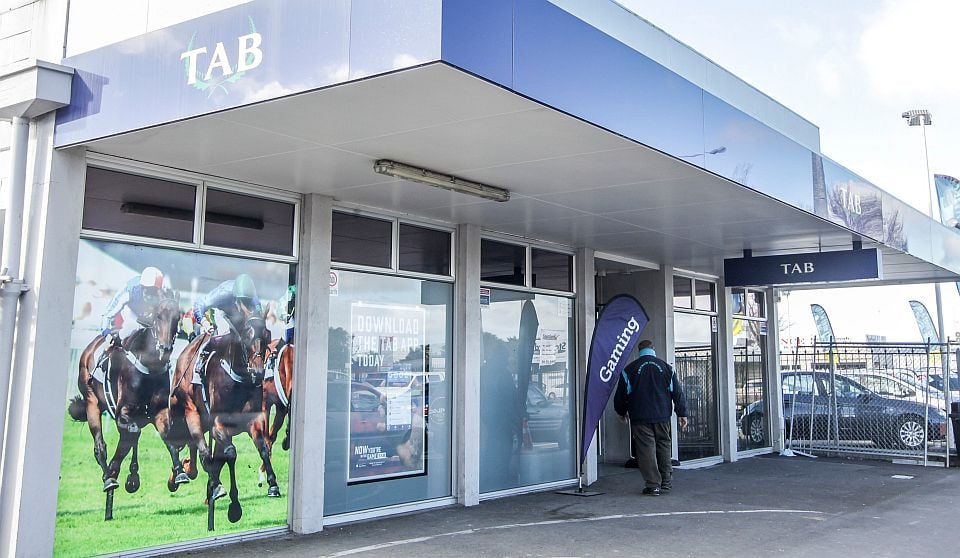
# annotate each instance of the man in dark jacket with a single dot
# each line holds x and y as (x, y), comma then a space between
(650, 392)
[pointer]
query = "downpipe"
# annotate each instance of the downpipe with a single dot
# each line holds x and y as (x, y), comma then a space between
(12, 285)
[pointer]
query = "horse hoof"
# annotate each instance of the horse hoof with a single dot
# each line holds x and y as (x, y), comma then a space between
(273, 492)
(172, 486)
(133, 483)
(235, 512)
(110, 484)
(190, 469)
(218, 492)
(182, 478)
(285, 444)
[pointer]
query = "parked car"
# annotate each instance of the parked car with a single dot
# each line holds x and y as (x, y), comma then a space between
(862, 414)
(548, 420)
(897, 387)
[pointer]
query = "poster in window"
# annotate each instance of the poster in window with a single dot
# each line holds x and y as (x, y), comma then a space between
(160, 338)
(388, 392)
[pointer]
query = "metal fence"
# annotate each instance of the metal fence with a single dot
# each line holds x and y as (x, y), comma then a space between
(888, 399)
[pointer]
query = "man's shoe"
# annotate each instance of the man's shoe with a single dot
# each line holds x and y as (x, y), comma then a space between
(666, 487)
(651, 491)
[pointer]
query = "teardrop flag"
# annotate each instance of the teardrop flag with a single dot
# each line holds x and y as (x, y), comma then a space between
(617, 332)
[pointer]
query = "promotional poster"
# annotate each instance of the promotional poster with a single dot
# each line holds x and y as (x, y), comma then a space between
(161, 339)
(388, 391)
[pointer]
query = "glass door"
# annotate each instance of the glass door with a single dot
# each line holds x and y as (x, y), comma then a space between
(695, 363)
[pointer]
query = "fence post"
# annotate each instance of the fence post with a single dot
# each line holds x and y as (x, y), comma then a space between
(835, 426)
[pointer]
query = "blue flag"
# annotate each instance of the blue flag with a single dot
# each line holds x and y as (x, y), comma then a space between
(617, 332)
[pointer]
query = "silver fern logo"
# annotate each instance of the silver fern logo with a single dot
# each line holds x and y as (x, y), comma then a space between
(216, 72)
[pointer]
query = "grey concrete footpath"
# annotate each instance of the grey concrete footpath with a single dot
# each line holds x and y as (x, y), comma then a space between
(756, 507)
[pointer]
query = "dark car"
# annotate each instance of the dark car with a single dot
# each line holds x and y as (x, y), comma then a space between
(548, 420)
(863, 415)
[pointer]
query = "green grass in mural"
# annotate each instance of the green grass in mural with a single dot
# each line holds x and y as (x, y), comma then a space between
(153, 516)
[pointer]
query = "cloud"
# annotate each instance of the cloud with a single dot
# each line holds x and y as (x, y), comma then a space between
(907, 47)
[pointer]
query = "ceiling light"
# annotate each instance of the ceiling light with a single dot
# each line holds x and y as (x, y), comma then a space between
(445, 181)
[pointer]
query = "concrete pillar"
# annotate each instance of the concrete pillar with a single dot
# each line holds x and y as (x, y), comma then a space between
(467, 333)
(726, 386)
(585, 281)
(308, 432)
(35, 417)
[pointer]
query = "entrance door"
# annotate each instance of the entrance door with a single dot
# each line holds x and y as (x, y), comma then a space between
(695, 363)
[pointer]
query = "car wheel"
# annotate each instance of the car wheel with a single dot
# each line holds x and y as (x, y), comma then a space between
(910, 432)
(755, 429)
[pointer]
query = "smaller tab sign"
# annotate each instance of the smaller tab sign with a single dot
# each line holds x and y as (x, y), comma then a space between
(811, 267)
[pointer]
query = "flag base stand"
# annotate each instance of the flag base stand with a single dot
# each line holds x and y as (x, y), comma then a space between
(579, 491)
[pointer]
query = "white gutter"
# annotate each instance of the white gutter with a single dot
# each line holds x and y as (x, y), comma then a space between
(12, 285)
(28, 89)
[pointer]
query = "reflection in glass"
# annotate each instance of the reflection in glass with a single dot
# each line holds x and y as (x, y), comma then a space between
(755, 304)
(424, 250)
(696, 369)
(119, 202)
(551, 270)
(501, 262)
(361, 240)
(682, 290)
(527, 394)
(705, 295)
(388, 392)
(749, 364)
(738, 302)
(233, 220)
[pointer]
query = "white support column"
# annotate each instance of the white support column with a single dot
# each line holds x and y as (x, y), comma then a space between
(668, 350)
(467, 333)
(41, 352)
(772, 373)
(308, 418)
(726, 387)
(585, 281)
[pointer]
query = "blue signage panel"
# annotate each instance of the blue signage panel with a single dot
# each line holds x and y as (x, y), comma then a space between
(249, 53)
(811, 267)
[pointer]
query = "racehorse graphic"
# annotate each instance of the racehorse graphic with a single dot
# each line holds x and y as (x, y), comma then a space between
(277, 393)
(132, 385)
(223, 399)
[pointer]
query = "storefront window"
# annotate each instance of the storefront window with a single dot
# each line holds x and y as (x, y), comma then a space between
(527, 391)
(695, 363)
(233, 220)
(682, 290)
(362, 240)
(219, 329)
(750, 364)
(501, 262)
(119, 202)
(388, 392)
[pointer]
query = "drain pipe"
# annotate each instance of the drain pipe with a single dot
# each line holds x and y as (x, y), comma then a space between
(12, 285)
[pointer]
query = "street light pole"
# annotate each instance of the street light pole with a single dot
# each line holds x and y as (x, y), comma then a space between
(923, 118)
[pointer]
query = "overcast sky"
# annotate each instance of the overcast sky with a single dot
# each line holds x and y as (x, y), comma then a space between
(851, 68)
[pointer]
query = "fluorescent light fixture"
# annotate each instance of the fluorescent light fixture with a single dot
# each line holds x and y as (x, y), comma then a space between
(445, 181)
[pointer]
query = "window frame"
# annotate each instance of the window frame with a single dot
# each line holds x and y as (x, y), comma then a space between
(394, 268)
(528, 246)
(201, 183)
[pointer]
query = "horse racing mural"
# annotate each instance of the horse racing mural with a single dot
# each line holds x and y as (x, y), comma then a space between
(176, 356)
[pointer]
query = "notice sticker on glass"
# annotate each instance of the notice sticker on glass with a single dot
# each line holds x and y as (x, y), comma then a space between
(484, 296)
